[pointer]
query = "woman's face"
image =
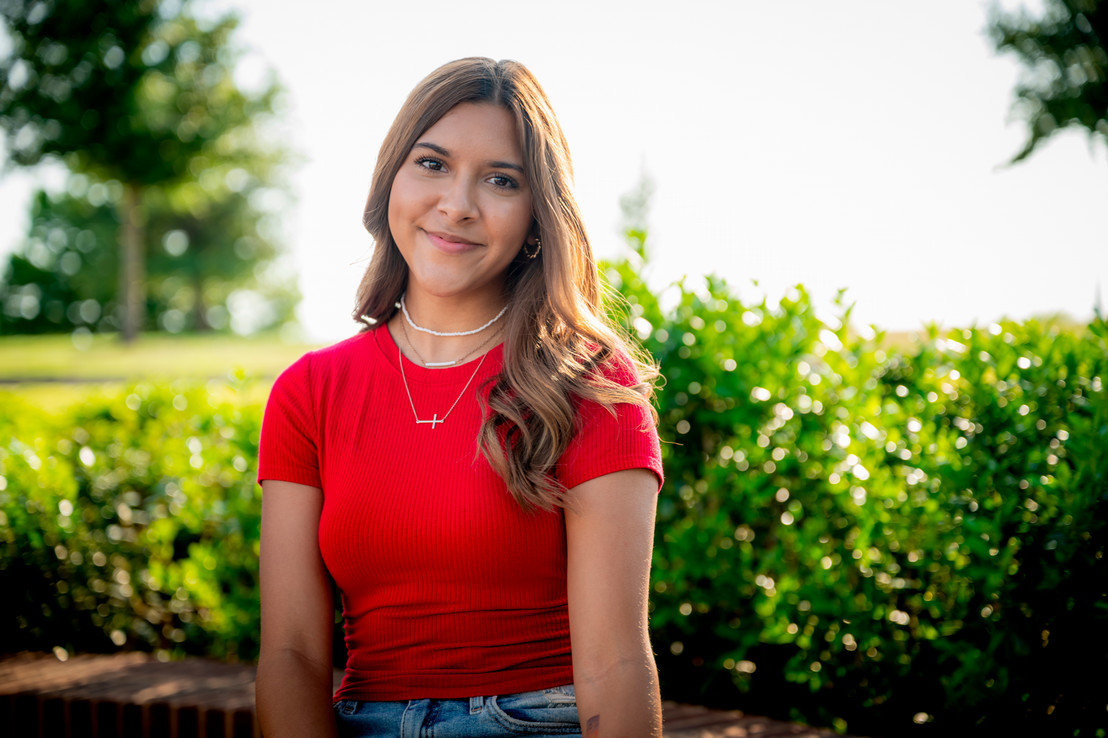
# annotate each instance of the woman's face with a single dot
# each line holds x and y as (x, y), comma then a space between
(460, 206)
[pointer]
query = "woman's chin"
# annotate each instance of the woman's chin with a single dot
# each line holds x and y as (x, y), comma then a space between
(455, 287)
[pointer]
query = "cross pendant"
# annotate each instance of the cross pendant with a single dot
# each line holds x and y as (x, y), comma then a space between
(434, 421)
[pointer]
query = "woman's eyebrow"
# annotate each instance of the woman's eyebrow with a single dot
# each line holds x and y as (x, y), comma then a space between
(506, 165)
(437, 149)
(443, 152)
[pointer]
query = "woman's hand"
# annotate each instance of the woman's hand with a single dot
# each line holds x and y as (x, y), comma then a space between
(294, 684)
(609, 537)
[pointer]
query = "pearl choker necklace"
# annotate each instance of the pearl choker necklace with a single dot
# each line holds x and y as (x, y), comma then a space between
(407, 317)
(438, 364)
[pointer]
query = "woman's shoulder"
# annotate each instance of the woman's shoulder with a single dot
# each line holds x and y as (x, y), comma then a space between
(353, 348)
(331, 360)
(620, 368)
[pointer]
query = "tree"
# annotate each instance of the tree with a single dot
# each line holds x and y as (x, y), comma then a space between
(213, 252)
(1066, 66)
(136, 93)
(55, 280)
(205, 260)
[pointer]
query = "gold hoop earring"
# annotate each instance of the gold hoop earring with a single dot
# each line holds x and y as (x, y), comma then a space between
(532, 255)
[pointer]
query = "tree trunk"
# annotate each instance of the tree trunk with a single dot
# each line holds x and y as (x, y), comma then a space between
(199, 309)
(132, 264)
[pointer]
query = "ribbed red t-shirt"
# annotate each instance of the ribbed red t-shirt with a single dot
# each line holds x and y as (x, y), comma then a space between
(449, 589)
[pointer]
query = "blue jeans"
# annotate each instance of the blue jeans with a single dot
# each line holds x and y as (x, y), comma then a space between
(541, 714)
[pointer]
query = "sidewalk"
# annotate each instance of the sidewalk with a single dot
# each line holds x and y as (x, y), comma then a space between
(133, 695)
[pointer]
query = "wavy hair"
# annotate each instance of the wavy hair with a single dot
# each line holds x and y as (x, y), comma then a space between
(559, 344)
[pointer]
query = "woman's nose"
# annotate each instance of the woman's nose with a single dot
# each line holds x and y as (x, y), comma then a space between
(458, 201)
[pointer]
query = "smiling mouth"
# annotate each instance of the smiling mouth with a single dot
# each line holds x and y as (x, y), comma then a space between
(450, 242)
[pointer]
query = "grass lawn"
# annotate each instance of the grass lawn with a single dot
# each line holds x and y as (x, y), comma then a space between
(35, 359)
(53, 373)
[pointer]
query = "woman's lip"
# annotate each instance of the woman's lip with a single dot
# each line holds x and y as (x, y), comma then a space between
(450, 242)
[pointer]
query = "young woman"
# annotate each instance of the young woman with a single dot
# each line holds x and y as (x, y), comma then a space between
(477, 470)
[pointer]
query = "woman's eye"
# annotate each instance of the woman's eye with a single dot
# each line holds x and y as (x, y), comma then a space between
(501, 180)
(427, 163)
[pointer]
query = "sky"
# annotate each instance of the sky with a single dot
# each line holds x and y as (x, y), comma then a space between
(861, 144)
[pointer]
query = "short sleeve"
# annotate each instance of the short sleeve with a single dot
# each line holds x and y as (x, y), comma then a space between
(607, 443)
(288, 450)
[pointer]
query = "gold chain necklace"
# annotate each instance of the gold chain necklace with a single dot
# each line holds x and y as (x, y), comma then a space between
(435, 419)
(436, 364)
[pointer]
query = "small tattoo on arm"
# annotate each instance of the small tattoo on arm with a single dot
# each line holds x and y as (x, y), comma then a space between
(592, 727)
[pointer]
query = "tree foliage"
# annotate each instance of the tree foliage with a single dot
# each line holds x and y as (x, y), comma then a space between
(1065, 60)
(55, 282)
(131, 91)
(200, 269)
(137, 93)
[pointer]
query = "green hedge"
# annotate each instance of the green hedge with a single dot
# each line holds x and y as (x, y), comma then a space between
(892, 544)
(888, 542)
(131, 523)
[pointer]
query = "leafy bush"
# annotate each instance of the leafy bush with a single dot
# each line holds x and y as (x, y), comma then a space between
(133, 524)
(895, 544)
(889, 542)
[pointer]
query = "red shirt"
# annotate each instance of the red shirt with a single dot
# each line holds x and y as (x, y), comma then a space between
(449, 589)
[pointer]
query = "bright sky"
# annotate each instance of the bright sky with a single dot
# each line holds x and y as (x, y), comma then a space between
(858, 144)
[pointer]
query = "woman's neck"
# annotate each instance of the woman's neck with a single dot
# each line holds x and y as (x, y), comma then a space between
(448, 317)
(441, 333)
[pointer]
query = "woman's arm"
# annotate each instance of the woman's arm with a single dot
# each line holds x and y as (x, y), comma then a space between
(609, 536)
(294, 685)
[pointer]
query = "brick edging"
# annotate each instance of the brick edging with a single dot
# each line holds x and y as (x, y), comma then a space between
(133, 695)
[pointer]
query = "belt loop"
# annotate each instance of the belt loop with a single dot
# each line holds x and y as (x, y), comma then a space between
(476, 704)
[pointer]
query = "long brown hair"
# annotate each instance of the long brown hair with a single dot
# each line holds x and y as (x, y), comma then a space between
(557, 335)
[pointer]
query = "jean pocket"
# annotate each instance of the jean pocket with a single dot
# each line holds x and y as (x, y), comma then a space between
(558, 696)
(541, 712)
(345, 707)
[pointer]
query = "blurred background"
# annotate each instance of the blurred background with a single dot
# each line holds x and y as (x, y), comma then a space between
(864, 146)
(865, 241)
